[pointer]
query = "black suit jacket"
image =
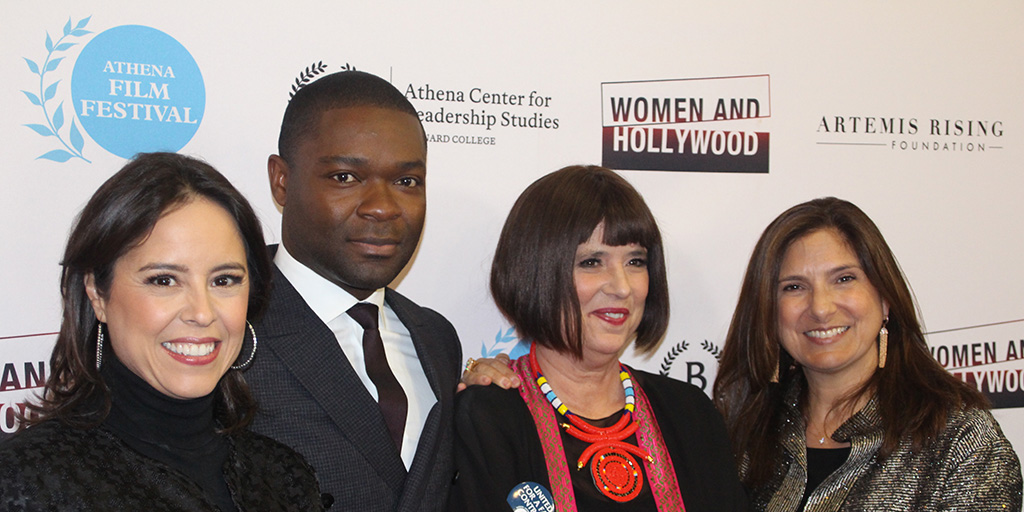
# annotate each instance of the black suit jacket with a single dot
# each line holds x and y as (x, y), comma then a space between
(311, 399)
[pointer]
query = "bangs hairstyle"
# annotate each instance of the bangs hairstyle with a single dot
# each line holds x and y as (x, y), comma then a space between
(338, 90)
(532, 274)
(915, 394)
(118, 217)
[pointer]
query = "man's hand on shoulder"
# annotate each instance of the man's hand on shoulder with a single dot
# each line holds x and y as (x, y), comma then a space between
(482, 372)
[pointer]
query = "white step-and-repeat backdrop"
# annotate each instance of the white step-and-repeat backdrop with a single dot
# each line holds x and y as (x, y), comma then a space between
(722, 114)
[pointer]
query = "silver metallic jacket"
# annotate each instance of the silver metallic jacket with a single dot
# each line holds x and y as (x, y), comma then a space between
(971, 467)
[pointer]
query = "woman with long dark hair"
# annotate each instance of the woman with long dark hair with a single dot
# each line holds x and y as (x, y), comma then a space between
(832, 399)
(145, 407)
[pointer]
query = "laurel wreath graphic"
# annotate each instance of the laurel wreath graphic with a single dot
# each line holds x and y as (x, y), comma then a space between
(505, 341)
(666, 364)
(712, 348)
(679, 348)
(55, 121)
(307, 76)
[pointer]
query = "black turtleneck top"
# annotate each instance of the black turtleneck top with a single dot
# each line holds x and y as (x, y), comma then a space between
(179, 433)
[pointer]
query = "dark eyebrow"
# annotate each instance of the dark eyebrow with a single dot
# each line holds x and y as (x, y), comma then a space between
(341, 159)
(163, 266)
(229, 266)
(182, 268)
(841, 268)
(356, 161)
(414, 164)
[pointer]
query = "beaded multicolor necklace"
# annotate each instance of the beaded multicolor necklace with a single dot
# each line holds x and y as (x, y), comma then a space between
(615, 472)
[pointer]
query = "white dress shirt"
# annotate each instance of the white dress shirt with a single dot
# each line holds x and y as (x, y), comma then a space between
(331, 304)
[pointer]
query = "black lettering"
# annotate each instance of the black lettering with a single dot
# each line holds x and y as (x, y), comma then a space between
(9, 380)
(34, 378)
(1011, 351)
(660, 111)
(960, 356)
(620, 110)
(695, 372)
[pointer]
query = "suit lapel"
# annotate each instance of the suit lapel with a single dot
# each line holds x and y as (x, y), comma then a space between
(422, 339)
(308, 348)
(435, 437)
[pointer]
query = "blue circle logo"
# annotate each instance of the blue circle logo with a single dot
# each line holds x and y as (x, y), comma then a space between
(136, 89)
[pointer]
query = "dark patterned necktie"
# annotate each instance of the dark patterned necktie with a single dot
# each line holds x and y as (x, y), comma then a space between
(390, 397)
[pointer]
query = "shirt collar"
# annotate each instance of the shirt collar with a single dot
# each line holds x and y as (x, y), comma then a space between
(325, 298)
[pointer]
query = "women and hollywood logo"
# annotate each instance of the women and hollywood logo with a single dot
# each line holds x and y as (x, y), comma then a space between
(133, 89)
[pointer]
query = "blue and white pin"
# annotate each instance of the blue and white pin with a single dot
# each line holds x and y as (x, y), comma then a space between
(530, 497)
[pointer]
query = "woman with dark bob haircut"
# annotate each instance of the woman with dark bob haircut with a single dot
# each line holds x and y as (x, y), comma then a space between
(145, 407)
(580, 270)
(830, 394)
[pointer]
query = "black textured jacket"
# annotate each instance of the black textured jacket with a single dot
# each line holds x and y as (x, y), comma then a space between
(497, 447)
(54, 467)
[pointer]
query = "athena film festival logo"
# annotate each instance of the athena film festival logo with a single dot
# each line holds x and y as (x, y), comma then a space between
(132, 89)
(697, 125)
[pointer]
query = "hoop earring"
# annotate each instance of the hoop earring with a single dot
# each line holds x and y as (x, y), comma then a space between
(883, 343)
(251, 354)
(99, 345)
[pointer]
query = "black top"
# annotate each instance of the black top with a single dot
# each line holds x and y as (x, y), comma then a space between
(497, 447)
(822, 462)
(179, 433)
(52, 467)
(56, 467)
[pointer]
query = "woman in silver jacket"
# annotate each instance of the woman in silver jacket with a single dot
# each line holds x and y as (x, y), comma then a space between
(831, 396)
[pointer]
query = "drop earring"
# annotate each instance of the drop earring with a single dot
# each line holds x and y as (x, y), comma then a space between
(99, 345)
(883, 343)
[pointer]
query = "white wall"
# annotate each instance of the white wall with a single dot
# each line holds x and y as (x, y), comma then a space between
(951, 212)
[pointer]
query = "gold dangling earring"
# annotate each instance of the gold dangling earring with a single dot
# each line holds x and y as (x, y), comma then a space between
(883, 343)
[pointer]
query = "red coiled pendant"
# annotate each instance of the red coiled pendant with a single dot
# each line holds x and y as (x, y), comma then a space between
(616, 474)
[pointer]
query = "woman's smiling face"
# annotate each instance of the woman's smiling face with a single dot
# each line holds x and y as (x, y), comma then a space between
(176, 307)
(829, 312)
(611, 284)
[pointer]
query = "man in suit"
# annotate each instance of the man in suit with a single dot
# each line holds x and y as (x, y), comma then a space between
(350, 178)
